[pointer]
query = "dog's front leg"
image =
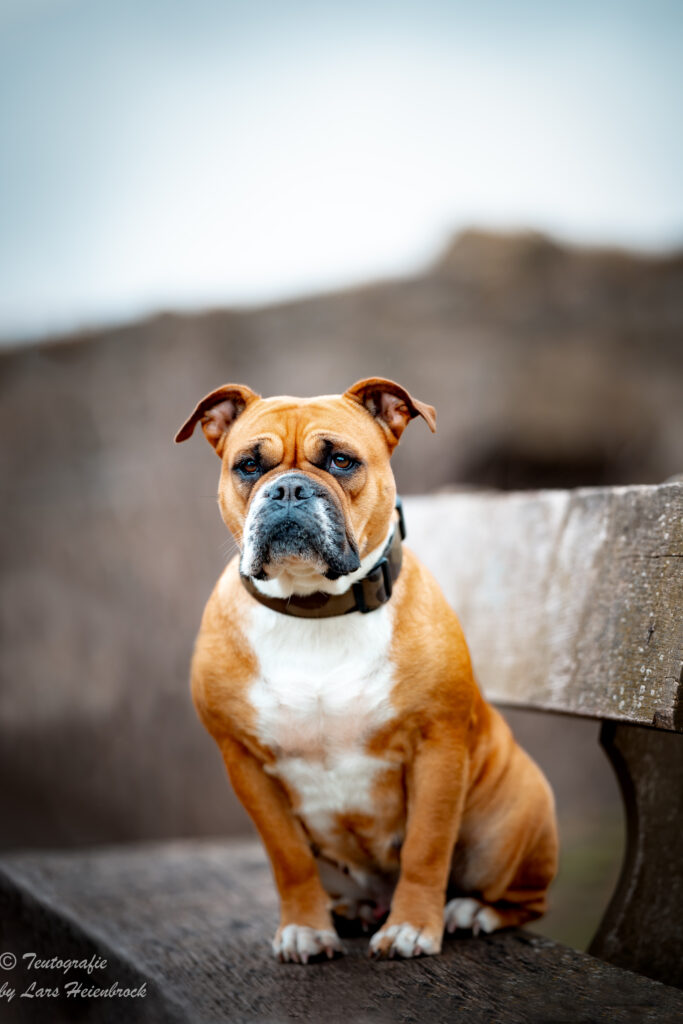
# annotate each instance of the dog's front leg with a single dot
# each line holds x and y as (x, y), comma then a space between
(436, 787)
(306, 929)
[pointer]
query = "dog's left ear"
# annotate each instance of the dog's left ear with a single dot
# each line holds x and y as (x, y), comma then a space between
(391, 405)
(217, 412)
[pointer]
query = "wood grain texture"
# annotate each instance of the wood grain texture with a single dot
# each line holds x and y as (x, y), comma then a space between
(194, 919)
(642, 929)
(571, 601)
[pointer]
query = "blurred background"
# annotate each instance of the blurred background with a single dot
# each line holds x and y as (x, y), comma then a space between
(483, 202)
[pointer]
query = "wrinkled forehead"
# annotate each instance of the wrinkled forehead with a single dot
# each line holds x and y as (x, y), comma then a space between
(306, 422)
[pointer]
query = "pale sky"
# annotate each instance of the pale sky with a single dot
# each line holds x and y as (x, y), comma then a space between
(182, 153)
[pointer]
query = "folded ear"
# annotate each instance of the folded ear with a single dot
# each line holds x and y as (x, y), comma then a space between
(217, 412)
(391, 405)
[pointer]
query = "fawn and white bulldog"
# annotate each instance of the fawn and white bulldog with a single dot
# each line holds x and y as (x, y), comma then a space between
(336, 681)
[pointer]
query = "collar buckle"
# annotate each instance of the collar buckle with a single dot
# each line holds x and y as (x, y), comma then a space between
(375, 589)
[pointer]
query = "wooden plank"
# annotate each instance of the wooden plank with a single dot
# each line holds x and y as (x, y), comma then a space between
(643, 927)
(195, 920)
(570, 600)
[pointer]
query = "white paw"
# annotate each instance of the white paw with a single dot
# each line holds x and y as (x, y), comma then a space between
(465, 912)
(296, 943)
(402, 940)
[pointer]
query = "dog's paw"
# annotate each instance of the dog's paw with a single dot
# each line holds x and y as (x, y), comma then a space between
(297, 944)
(468, 913)
(402, 940)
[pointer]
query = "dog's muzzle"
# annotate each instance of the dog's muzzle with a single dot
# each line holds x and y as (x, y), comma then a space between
(295, 516)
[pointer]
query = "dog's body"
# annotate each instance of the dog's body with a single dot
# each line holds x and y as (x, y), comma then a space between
(378, 777)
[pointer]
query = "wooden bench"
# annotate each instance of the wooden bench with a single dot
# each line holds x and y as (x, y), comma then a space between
(571, 602)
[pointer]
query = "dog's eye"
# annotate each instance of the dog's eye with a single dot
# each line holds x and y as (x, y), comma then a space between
(342, 461)
(248, 466)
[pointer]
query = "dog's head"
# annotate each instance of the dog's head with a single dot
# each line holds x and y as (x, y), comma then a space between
(306, 486)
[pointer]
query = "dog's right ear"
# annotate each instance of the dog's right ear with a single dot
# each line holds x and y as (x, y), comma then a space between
(217, 412)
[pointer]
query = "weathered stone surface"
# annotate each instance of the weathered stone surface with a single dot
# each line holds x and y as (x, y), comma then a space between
(195, 920)
(570, 600)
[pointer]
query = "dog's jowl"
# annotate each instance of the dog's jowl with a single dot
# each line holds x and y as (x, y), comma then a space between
(337, 683)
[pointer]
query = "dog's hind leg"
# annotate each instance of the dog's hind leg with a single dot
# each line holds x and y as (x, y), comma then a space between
(468, 913)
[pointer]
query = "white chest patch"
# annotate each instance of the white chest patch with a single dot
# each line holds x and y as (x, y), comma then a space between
(323, 690)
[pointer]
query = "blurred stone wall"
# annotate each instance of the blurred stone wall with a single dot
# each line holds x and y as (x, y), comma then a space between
(548, 366)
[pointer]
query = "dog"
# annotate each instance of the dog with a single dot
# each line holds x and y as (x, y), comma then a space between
(337, 683)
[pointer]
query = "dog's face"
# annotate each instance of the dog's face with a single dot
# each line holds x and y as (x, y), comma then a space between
(306, 482)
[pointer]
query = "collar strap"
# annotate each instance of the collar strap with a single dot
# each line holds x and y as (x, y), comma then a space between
(365, 595)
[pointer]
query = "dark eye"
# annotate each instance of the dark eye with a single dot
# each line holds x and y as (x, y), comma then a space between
(249, 466)
(342, 461)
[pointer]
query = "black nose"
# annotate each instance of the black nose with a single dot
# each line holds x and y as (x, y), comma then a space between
(291, 488)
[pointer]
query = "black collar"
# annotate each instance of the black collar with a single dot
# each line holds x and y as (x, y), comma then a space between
(365, 595)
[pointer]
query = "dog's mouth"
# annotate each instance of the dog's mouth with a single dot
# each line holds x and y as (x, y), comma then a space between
(305, 538)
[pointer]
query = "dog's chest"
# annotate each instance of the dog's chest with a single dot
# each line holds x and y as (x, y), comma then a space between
(323, 689)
